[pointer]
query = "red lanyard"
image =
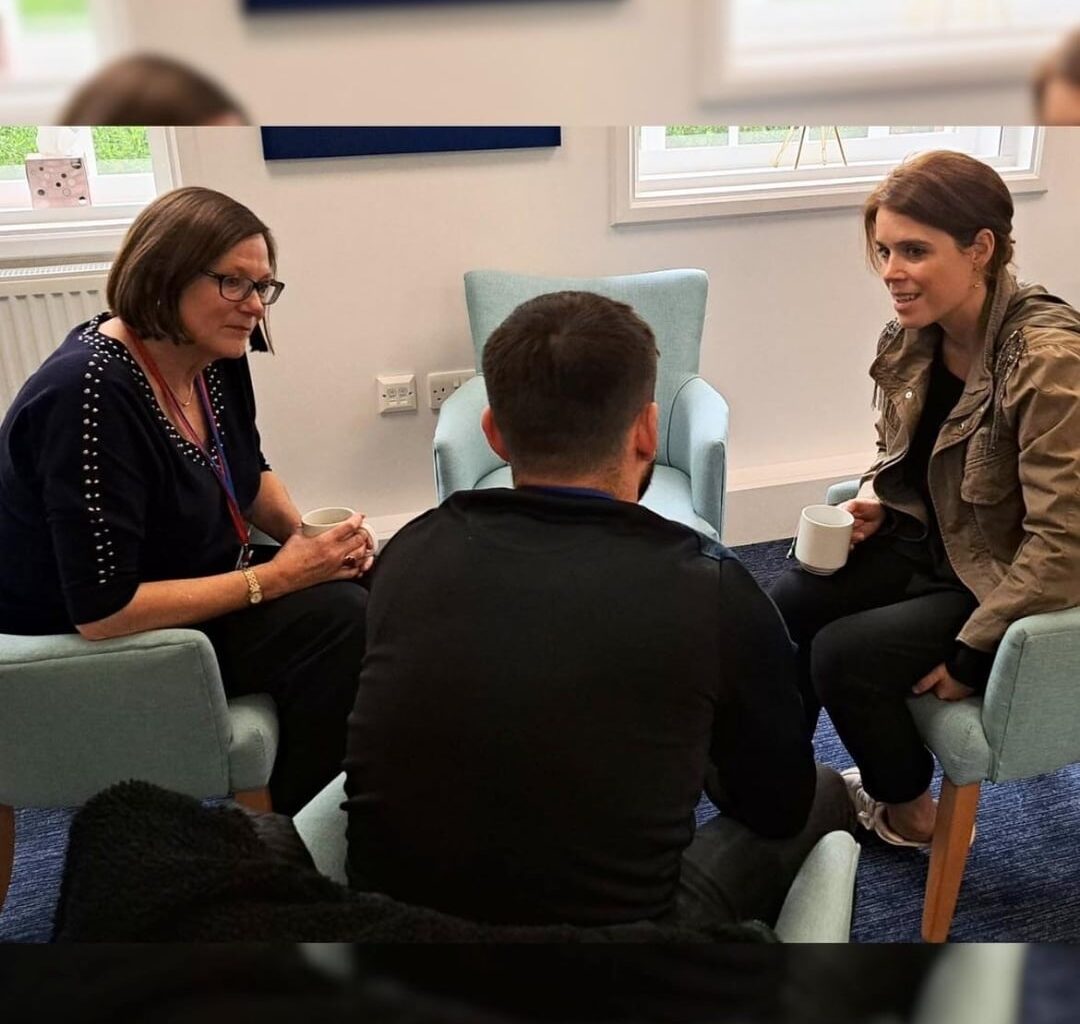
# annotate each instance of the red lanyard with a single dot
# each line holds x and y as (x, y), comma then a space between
(220, 467)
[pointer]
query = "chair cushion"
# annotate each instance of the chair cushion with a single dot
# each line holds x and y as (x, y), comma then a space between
(954, 733)
(668, 496)
(254, 741)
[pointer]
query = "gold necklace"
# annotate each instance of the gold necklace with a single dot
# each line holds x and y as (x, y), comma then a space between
(191, 395)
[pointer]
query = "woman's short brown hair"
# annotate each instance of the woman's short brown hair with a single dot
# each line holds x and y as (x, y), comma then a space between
(952, 192)
(172, 241)
(148, 88)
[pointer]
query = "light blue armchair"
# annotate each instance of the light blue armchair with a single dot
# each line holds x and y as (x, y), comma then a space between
(973, 983)
(688, 484)
(80, 715)
(1024, 725)
(818, 906)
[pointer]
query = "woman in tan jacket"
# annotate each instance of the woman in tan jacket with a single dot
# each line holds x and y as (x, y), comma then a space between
(969, 517)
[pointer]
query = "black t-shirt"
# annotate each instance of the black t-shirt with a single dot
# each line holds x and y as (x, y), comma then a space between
(942, 394)
(99, 492)
(547, 678)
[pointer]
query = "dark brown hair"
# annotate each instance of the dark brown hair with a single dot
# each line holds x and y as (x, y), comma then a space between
(1062, 62)
(147, 88)
(952, 192)
(172, 241)
(566, 375)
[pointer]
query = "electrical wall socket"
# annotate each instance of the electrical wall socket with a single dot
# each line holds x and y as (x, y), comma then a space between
(397, 392)
(442, 385)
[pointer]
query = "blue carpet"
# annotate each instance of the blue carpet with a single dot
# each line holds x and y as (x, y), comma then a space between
(1022, 882)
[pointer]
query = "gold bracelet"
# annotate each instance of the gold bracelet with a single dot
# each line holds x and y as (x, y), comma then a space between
(255, 594)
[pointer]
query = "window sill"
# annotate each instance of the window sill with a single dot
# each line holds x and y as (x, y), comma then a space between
(20, 243)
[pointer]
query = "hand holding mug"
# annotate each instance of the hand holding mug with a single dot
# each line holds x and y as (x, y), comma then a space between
(869, 514)
(361, 554)
(330, 544)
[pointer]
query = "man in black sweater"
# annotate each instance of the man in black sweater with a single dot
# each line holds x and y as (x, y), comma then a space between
(554, 673)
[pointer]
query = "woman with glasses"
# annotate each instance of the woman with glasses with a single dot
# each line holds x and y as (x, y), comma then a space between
(131, 473)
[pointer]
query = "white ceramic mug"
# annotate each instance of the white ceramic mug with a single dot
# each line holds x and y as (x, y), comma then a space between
(319, 520)
(824, 538)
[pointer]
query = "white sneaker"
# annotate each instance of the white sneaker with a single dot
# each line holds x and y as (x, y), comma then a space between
(866, 807)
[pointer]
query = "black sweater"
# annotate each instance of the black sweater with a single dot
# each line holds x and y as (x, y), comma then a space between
(547, 679)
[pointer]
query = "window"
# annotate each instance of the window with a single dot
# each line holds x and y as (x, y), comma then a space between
(756, 46)
(47, 47)
(126, 167)
(669, 172)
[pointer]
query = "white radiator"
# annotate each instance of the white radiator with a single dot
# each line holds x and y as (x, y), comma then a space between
(38, 306)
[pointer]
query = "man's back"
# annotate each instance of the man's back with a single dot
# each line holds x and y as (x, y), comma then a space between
(548, 677)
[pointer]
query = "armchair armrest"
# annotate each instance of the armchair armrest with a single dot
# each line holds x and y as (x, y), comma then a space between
(321, 824)
(1032, 700)
(819, 903)
(843, 491)
(80, 715)
(974, 983)
(462, 454)
(697, 444)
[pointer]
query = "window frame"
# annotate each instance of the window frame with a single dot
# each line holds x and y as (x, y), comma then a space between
(810, 188)
(27, 234)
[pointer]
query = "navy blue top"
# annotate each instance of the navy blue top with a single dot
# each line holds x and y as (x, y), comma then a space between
(99, 492)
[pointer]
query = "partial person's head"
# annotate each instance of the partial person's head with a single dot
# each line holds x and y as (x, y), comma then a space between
(939, 232)
(147, 88)
(196, 267)
(1057, 84)
(570, 379)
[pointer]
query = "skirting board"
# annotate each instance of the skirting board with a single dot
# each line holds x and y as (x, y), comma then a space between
(763, 503)
(768, 513)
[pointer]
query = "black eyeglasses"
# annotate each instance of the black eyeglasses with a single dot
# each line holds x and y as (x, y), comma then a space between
(236, 289)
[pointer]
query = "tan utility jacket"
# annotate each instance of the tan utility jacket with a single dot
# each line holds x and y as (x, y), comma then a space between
(1004, 475)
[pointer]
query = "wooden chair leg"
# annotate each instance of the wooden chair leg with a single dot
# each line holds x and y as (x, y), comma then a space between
(7, 848)
(948, 856)
(257, 800)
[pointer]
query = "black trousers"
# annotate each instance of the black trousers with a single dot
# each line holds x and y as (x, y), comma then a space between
(865, 636)
(305, 650)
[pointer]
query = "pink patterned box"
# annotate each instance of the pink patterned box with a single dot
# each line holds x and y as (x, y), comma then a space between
(57, 181)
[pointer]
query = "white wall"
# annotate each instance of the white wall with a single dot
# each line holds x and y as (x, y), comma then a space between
(373, 251)
(531, 61)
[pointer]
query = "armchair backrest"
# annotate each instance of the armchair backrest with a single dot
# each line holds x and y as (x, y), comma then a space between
(671, 302)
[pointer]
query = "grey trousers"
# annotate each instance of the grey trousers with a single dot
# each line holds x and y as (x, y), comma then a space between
(732, 874)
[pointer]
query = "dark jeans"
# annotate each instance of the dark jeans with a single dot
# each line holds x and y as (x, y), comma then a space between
(866, 635)
(305, 650)
(732, 874)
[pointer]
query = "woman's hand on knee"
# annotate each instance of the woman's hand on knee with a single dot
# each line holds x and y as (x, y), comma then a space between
(942, 685)
(869, 514)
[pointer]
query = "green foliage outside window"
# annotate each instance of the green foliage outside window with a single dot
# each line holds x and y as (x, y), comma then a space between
(683, 135)
(119, 150)
(47, 13)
